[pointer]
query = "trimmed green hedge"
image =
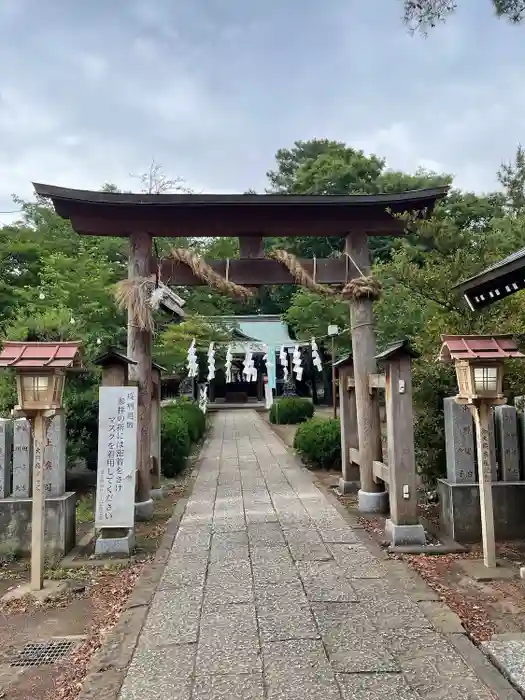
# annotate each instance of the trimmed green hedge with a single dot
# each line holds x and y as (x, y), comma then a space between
(194, 417)
(182, 424)
(291, 410)
(318, 442)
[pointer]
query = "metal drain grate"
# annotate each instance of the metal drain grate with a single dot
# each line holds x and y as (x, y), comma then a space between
(43, 653)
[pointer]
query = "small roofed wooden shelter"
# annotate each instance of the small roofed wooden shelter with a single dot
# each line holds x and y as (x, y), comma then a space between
(115, 367)
(496, 282)
(250, 217)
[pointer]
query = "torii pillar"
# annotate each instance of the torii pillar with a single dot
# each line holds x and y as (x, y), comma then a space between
(140, 348)
(372, 497)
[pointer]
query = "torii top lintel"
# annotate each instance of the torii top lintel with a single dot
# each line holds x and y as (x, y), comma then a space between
(188, 215)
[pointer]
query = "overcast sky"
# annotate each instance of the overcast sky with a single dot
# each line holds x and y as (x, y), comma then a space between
(92, 91)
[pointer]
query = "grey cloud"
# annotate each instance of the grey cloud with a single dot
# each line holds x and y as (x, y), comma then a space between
(211, 90)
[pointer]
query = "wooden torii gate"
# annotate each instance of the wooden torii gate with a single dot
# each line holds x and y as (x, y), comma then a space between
(251, 217)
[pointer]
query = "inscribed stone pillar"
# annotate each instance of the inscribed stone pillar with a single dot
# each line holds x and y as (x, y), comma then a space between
(519, 402)
(22, 458)
(459, 442)
(507, 437)
(492, 445)
(55, 456)
(6, 456)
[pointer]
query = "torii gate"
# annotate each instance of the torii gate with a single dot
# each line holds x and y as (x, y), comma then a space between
(251, 217)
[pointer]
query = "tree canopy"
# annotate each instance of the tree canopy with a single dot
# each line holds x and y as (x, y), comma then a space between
(426, 14)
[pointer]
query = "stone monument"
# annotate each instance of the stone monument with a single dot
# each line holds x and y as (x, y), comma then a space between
(116, 473)
(508, 442)
(6, 456)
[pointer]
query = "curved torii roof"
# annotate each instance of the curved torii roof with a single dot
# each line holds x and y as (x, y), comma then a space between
(120, 214)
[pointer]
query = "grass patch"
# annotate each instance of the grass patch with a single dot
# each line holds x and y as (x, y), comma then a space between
(86, 508)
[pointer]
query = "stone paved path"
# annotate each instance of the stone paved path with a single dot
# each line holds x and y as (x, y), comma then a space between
(270, 594)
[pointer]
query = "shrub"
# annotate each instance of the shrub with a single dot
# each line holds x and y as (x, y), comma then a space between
(175, 441)
(291, 410)
(193, 416)
(82, 426)
(318, 442)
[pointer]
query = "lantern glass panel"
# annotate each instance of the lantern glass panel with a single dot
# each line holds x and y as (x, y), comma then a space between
(35, 388)
(486, 380)
(464, 380)
(58, 390)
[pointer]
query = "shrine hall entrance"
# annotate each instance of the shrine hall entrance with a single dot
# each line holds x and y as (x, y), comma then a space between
(238, 391)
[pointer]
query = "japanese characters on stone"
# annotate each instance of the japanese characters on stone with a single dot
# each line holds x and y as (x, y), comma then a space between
(117, 452)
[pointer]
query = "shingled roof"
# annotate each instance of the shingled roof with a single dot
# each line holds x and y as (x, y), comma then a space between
(18, 355)
(478, 347)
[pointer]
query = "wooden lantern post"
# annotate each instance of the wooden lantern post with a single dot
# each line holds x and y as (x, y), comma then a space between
(40, 376)
(479, 368)
(38, 511)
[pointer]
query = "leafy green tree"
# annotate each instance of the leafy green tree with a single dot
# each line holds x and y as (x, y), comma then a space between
(322, 166)
(512, 177)
(172, 344)
(426, 14)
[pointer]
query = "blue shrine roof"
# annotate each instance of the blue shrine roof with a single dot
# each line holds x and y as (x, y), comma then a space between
(260, 330)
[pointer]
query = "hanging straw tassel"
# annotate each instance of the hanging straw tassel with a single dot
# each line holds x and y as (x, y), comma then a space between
(135, 294)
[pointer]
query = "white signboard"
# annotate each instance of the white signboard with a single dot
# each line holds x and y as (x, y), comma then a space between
(117, 456)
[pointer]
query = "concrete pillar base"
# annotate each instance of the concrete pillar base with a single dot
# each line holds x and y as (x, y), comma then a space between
(114, 541)
(372, 502)
(348, 486)
(404, 534)
(144, 510)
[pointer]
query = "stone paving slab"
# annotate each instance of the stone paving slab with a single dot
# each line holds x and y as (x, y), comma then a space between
(229, 546)
(190, 571)
(164, 672)
(376, 687)
(326, 581)
(173, 618)
(296, 669)
(509, 655)
(306, 544)
(286, 619)
(239, 687)
(270, 593)
(357, 561)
